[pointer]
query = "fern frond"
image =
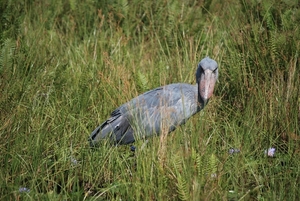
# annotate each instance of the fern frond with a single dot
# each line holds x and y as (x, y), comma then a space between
(267, 7)
(193, 154)
(273, 46)
(142, 81)
(199, 164)
(72, 4)
(287, 19)
(172, 23)
(177, 164)
(269, 20)
(124, 6)
(182, 188)
(209, 165)
(213, 163)
(7, 53)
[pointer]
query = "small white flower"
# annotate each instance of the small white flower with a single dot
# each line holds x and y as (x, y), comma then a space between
(74, 161)
(24, 190)
(233, 151)
(270, 152)
(213, 175)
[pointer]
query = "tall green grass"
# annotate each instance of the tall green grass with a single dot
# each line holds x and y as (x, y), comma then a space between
(65, 65)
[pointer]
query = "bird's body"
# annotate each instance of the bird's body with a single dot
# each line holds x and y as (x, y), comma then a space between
(151, 112)
(159, 110)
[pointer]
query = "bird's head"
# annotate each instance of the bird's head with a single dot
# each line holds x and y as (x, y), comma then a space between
(206, 76)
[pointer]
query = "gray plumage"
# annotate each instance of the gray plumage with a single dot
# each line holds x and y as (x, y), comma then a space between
(159, 110)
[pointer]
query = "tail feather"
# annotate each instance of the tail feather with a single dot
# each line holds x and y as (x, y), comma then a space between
(117, 128)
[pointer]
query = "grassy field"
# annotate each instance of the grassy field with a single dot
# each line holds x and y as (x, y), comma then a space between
(65, 65)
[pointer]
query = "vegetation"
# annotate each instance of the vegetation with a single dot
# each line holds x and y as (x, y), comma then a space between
(65, 65)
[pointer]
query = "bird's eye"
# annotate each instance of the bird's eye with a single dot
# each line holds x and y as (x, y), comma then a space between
(215, 70)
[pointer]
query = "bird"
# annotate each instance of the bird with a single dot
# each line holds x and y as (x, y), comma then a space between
(159, 110)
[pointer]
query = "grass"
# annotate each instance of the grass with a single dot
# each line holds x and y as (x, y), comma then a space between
(65, 65)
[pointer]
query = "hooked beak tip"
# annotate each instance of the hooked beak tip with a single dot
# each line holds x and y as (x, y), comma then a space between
(205, 101)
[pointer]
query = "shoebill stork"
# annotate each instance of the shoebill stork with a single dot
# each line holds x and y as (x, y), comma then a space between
(159, 110)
